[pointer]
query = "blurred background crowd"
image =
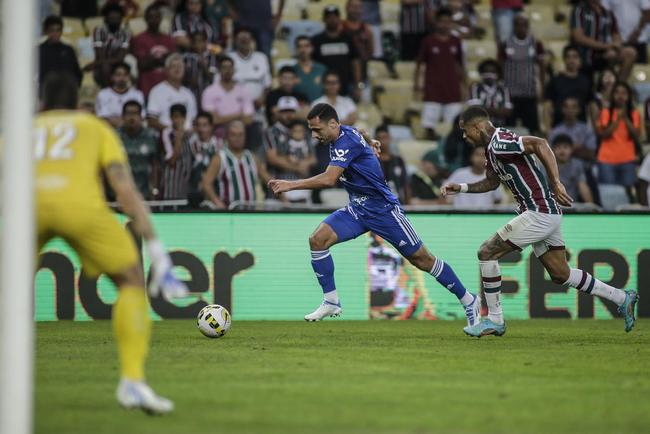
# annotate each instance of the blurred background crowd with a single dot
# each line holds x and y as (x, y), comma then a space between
(210, 96)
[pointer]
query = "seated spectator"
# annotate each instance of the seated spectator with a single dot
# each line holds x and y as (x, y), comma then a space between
(204, 145)
(338, 53)
(253, 71)
(643, 186)
(110, 100)
(570, 83)
(619, 129)
(200, 65)
(151, 49)
(191, 18)
(141, 146)
(360, 33)
(226, 99)
(475, 172)
(257, 15)
(234, 172)
(603, 95)
(176, 156)
(442, 55)
(287, 80)
(288, 153)
(595, 31)
(522, 57)
(416, 20)
(426, 182)
(572, 171)
(111, 41)
(491, 93)
(218, 14)
(54, 55)
(393, 166)
(170, 92)
(456, 149)
(503, 15)
(309, 73)
(581, 134)
(345, 107)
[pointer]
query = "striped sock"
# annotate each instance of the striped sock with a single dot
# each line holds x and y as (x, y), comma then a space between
(491, 278)
(445, 275)
(323, 265)
(585, 282)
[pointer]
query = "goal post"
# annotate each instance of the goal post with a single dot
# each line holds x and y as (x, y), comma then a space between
(18, 31)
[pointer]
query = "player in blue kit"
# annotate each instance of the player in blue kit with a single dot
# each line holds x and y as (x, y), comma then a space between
(373, 207)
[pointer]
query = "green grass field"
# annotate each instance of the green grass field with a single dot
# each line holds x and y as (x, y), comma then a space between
(544, 376)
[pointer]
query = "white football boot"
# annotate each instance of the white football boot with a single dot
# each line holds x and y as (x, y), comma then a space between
(326, 309)
(473, 311)
(137, 394)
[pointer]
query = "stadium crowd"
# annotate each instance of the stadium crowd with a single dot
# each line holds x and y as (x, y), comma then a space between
(210, 96)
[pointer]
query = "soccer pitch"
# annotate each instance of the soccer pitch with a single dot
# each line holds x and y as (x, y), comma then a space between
(543, 376)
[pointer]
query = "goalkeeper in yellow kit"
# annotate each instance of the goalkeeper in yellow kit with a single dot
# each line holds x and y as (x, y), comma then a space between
(73, 150)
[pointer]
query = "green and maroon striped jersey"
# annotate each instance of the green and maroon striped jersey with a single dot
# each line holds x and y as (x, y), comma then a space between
(520, 173)
(237, 180)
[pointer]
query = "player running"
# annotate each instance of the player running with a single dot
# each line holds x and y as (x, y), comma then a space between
(510, 160)
(73, 149)
(373, 207)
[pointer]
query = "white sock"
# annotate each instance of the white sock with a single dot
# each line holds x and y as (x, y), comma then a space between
(331, 297)
(491, 277)
(467, 299)
(585, 282)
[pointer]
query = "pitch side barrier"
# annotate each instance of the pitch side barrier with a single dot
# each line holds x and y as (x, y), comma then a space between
(256, 263)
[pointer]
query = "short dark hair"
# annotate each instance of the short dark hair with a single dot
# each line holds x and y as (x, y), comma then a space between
(569, 47)
(52, 20)
(562, 139)
(444, 12)
(474, 112)
(244, 29)
(122, 65)
(287, 69)
(383, 128)
(225, 59)
(60, 91)
(178, 108)
(204, 114)
(155, 6)
(324, 112)
(112, 7)
(297, 122)
(487, 63)
(332, 72)
(131, 103)
(301, 38)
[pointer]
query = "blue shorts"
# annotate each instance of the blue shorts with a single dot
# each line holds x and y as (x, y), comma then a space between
(392, 226)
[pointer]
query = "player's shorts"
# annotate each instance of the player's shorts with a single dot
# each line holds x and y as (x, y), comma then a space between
(541, 230)
(392, 225)
(102, 243)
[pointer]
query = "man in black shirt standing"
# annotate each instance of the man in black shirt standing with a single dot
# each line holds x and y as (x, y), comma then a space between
(53, 54)
(337, 52)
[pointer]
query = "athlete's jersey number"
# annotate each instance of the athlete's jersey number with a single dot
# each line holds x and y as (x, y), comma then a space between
(63, 135)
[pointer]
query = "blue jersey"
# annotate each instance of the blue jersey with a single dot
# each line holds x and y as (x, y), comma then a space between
(363, 177)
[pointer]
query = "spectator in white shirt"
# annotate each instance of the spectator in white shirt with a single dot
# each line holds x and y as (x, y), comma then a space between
(253, 71)
(473, 173)
(345, 107)
(110, 100)
(169, 92)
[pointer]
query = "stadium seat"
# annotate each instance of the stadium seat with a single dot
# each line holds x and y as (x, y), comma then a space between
(137, 26)
(405, 70)
(73, 28)
(377, 71)
(412, 151)
(640, 74)
(93, 22)
(479, 50)
(394, 98)
(369, 116)
(334, 197)
(612, 196)
(280, 49)
(389, 13)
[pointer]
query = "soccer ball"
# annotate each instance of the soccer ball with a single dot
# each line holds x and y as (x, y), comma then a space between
(213, 321)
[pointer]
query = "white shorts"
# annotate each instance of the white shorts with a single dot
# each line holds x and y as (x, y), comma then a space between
(431, 112)
(541, 230)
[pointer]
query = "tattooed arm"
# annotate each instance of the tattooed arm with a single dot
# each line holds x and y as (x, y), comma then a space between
(489, 183)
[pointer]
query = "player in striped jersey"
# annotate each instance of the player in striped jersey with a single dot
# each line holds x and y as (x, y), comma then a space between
(512, 159)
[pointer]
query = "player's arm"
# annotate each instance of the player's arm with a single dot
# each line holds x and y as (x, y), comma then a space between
(539, 147)
(489, 183)
(326, 179)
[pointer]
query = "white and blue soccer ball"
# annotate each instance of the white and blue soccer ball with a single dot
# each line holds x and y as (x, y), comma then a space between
(213, 321)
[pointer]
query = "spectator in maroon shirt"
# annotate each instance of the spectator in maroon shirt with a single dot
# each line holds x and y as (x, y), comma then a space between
(151, 48)
(595, 31)
(442, 55)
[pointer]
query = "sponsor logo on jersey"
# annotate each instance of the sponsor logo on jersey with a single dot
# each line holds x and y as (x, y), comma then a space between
(359, 200)
(340, 155)
(500, 146)
(506, 177)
